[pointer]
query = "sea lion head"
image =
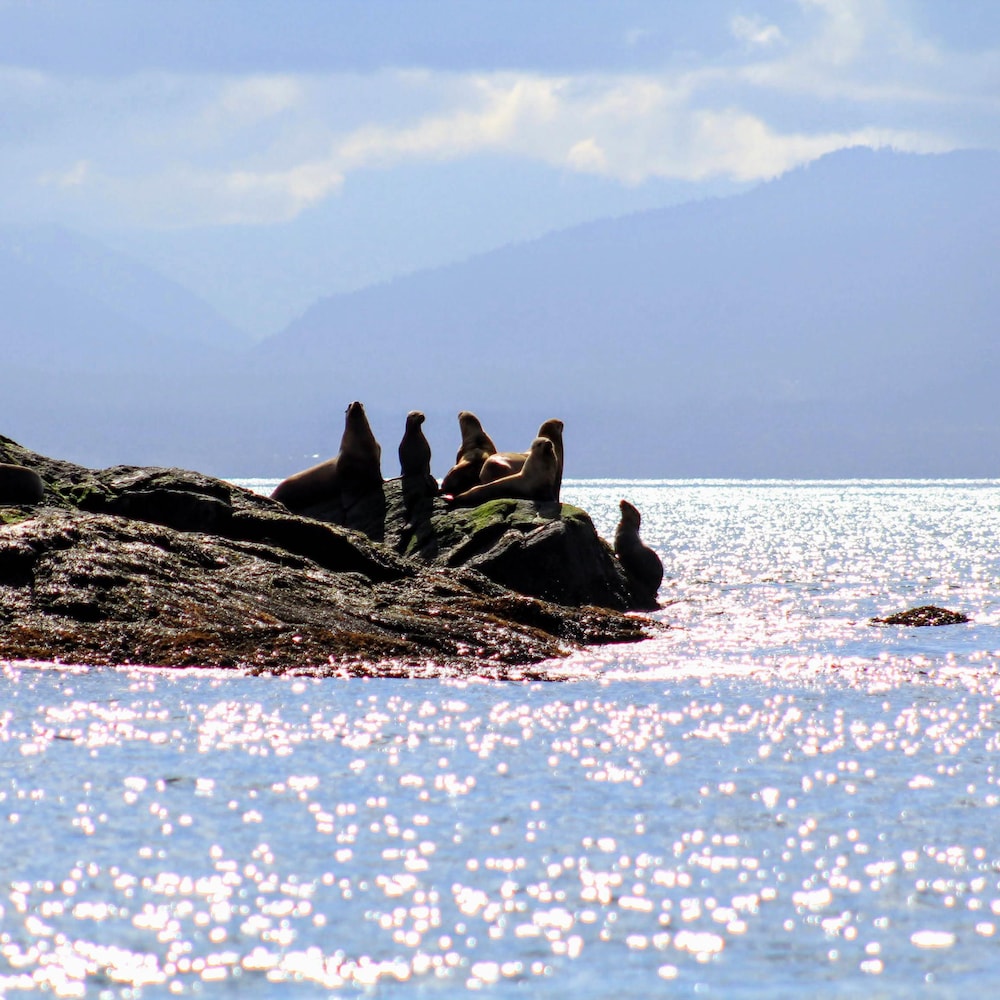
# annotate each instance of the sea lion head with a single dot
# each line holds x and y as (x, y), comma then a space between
(358, 435)
(541, 469)
(542, 450)
(355, 416)
(469, 424)
(356, 420)
(551, 429)
(630, 514)
(473, 436)
(414, 419)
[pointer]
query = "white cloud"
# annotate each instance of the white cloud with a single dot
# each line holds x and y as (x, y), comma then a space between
(255, 98)
(278, 195)
(754, 32)
(636, 36)
(179, 197)
(859, 51)
(494, 112)
(74, 177)
(587, 157)
(627, 128)
(174, 150)
(847, 26)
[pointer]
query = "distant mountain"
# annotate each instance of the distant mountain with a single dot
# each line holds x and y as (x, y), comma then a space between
(105, 360)
(840, 320)
(68, 301)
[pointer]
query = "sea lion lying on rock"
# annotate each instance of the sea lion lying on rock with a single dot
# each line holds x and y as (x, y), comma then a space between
(20, 485)
(475, 448)
(506, 463)
(641, 564)
(355, 472)
(535, 481)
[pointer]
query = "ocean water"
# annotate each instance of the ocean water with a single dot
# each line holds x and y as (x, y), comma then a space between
(770, 798)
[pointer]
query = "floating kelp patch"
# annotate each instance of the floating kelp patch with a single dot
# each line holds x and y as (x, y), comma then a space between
(927, 614)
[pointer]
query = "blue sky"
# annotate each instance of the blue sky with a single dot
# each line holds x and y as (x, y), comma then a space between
(268, 154)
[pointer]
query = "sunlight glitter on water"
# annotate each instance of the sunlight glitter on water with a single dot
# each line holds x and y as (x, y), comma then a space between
(770, 793)
(788, 575)
(333, 834)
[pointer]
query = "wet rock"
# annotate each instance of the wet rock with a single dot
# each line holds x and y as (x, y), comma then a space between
(927, 614)
(172, 568)
(548, 550)
(97, 589)
(66, 482)
(190, 501)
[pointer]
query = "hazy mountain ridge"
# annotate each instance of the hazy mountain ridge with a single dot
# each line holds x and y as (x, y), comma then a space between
(837, 321)
(71, 295)
(698, 275)
(835, 304)
(104, 359)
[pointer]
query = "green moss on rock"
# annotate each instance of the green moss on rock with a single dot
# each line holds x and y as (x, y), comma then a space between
(14, 515)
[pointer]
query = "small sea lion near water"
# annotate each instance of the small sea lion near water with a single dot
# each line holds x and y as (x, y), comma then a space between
(475, 448)
(506, 463)
(354, 472)
(535, 481)
(20, 485)
(641, 564)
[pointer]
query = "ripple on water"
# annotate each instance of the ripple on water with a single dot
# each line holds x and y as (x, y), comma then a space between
(789, 796)
(163, 832)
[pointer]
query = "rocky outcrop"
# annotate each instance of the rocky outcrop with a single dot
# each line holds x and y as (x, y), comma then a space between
(546, 550)
(927, 614)
(163, 567)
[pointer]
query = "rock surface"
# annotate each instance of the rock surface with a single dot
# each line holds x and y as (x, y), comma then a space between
(927, 614)
(163, 567)
(546, 550)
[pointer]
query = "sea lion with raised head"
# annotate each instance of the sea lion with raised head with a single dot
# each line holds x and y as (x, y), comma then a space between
(535, 481)
(20, 486)
(641, 564)
(353, 473)
(475, 448)
(506, 463)
(414, 449)
(415, 465)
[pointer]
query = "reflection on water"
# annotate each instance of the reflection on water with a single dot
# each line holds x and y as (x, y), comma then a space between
(788, 575)
(772, 797)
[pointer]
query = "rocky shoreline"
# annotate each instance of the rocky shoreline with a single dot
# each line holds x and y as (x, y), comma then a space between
(163, 567)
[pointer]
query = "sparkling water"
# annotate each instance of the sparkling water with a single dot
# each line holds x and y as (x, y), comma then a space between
(772, 797)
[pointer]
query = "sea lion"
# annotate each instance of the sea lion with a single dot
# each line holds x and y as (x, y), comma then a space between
(535, 481)
(475, 448)
(641, 564)
(20, 486)
(415, 467)
(506, 463)
(355, 471)
(414, 449)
